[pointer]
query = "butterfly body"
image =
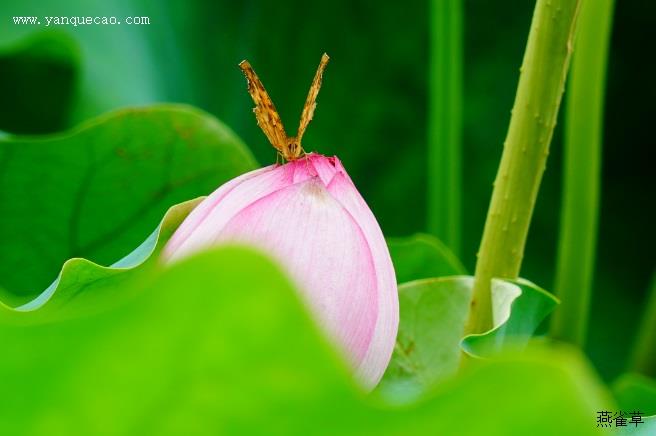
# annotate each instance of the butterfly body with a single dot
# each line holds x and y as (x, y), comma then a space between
(289, 147)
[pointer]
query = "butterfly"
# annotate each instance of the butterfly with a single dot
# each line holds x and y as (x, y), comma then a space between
(289, 147)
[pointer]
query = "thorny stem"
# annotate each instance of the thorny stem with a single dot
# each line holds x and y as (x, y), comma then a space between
(540, 88)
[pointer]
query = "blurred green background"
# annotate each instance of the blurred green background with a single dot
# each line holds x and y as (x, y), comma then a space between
(372, 110)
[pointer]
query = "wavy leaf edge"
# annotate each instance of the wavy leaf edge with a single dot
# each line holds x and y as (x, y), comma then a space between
(136, 258)
(504, 311)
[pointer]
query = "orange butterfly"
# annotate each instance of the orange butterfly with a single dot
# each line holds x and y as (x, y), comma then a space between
(267, 116)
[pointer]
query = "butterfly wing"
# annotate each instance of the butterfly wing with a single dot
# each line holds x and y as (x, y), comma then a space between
(265, 111)
(311, 100)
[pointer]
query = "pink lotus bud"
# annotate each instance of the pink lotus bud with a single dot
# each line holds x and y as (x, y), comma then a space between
(309, 216)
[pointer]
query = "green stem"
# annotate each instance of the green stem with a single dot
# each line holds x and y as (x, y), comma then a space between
(445, 122)
(643, 358)
(540, 88)
(582, 172)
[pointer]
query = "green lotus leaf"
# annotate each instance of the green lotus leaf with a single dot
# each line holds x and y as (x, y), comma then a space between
(422, 256)
(38, 82)
(635, 392)
(221, 343)
(431, 340)
(99, 190)
(518, 308)
(84, 287)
